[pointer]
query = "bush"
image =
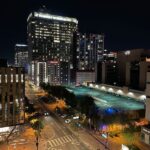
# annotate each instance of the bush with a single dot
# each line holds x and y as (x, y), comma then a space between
(133, 147)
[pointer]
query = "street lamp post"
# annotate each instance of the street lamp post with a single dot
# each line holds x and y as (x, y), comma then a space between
(7, 144)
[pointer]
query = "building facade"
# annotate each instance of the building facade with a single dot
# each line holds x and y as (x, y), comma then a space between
(145, 130)
(90, 51)
(107, 70)
(147, 91)
(12, 93)
(50, 38)
(21, 56)
(85, 77)
(133, 67)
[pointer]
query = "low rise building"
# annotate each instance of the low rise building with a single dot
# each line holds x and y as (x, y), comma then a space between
(12, 93)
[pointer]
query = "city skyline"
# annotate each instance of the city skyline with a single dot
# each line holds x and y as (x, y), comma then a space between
(124, 30)
(74, 75)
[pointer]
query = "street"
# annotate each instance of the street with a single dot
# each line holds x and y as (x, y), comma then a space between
(57, 135)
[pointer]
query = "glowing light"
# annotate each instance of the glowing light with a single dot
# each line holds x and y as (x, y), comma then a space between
(127, 52)
(53, 17)
(120, 92)
(124, 147)
(22, 80)
(110, 90)
(21, 45)
(96, 86)
(91, 85)
(104, 136)
(143, 97)
(130, 94)
(103, 88)
(11, 77)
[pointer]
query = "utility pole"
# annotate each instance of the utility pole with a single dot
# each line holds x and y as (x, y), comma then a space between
(7, 138)
(37, 142)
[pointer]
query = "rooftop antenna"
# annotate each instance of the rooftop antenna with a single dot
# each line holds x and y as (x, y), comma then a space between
(44, 9)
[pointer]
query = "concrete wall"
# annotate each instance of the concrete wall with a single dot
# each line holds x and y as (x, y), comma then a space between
(147, 115)
(148, 85)
(82, 77)
(127, 74)
(142, 77)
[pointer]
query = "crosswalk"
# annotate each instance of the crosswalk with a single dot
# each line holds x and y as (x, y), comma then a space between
(19, 141)
(61, 141)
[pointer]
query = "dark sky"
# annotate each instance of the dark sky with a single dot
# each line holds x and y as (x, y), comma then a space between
(125, 24)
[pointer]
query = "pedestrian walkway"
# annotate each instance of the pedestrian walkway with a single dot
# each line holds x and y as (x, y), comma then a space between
(61, 141)
(19, 141)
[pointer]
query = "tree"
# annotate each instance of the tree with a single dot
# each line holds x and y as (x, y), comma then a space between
(37, 125)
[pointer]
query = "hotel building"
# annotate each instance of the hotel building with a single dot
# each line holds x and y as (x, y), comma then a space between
(50, 39)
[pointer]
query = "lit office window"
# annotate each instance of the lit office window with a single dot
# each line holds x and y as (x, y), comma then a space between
(11, 77)
(22, 78)
(16, 77)
(5, 78)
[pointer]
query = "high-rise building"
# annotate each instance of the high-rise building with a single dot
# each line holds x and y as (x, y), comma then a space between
(90, 51)
(107, 70)
(50, 38)
(21, 56)
(12, 93)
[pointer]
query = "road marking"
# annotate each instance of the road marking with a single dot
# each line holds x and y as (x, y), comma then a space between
(50, 144)
(54, 142)
(59, 141)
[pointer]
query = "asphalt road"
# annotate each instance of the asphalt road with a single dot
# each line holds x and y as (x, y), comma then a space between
(58, 136)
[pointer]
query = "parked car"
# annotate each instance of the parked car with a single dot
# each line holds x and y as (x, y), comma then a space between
(67, 121)
(64, 115)
(46, 113)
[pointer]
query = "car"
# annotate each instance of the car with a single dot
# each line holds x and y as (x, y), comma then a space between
(46, 113)
(64, 115)
(67, 121)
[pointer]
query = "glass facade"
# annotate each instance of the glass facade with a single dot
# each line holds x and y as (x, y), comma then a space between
(50, 38)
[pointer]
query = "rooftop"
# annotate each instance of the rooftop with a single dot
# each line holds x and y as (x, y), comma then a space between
(45, 15)
(106, 100)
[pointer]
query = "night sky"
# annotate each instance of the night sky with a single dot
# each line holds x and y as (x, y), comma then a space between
(126, 25)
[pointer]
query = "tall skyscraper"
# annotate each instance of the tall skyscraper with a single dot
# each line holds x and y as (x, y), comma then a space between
(90, 51)
(12, 93)
(50, 39)
(21, 56)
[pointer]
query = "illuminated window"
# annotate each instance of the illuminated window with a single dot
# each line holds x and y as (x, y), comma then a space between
(16, 77)
(22, 78)
(6, 78)
(11, 77)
